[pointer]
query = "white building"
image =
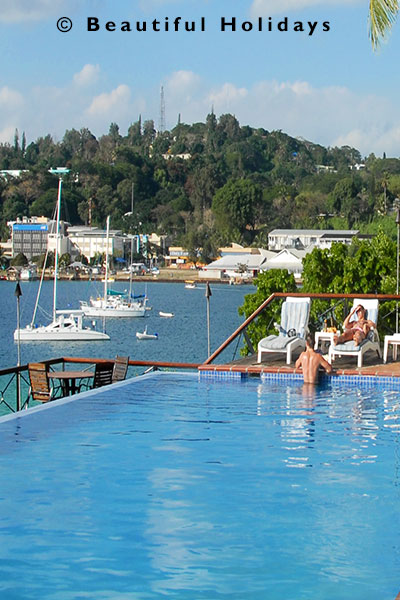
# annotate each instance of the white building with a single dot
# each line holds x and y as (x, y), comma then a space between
(291, 260)
(244, 265)
(90, 241)
(7, 173)
(300, 239)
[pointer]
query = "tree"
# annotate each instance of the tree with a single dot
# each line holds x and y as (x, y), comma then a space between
(276, 280)
(364, 267)
(4, 260)
(19, 260)
(234, 205)
(382, 15)
(65, 260)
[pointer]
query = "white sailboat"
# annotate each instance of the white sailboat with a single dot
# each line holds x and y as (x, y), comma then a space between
(67, 325)
(113, 304)
(143, 335)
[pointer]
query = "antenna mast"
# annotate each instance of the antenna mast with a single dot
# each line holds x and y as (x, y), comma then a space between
(161, 127)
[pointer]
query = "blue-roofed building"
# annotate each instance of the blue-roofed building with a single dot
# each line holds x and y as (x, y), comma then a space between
(30, 236)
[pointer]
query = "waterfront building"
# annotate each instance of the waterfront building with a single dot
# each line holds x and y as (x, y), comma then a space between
(91, 241)
(291, 260)
(32, 236)
(243, 265)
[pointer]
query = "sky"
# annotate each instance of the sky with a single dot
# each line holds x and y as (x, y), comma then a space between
(305, 67)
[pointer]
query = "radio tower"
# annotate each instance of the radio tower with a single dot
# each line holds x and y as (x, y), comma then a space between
(161, 127)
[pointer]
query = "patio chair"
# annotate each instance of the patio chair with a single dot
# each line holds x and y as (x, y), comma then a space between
(103, 374)
(371, 342)
(40, 389)
(293, 329)
(120, 368)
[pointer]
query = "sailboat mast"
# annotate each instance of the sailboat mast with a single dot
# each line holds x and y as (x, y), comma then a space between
(130, 272)
(57, 248)
(106, 274)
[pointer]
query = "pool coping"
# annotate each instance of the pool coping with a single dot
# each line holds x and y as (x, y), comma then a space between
(381, 375)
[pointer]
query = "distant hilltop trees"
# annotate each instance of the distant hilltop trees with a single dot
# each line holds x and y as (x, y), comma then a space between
(205, 185)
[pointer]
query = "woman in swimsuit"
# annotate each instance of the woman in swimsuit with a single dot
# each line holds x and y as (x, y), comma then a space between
(357, 330)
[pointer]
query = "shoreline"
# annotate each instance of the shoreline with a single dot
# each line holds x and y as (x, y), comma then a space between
(165, 276)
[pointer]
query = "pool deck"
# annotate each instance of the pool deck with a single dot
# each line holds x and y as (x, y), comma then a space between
(276, 363)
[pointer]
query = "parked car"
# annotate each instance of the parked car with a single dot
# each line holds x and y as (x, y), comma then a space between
(139, 269)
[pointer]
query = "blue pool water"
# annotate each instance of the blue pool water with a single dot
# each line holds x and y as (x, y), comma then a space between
(168, 486)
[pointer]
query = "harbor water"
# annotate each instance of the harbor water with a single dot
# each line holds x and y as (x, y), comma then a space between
(182, 338)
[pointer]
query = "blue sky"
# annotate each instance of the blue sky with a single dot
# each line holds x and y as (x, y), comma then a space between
(328, 87)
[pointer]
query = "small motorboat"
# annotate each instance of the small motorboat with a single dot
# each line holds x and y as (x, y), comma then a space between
(166, 314)
(143, 335)
(190, 285)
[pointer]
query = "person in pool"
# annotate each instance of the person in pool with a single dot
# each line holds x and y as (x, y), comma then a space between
(310, 361)
(356, 330)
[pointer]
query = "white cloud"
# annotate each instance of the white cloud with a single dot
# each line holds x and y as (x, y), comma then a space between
(225, 96)
(16, 11)
(88, 75)
(331, 116)
(183, 82)
(7, 134)
(10, 99)
(270, 7)
(386, 139)
(111, 102)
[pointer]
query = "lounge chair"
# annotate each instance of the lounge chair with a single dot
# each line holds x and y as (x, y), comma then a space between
(120, 368)
(292, 330)
(371, 342)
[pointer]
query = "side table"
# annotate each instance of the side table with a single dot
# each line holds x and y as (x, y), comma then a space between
(393, 339)
(325, 337)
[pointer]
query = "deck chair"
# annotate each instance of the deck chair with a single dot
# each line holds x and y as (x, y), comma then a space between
(103, 374)
(120, 368)
(293, 329)
(40, 389)
(371, 342)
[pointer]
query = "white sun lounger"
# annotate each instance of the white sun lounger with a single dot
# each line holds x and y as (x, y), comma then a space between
(292, 331)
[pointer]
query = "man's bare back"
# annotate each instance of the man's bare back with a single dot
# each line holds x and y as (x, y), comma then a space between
(310, 361)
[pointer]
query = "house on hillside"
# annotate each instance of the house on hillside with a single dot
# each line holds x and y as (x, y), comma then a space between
(300, 239)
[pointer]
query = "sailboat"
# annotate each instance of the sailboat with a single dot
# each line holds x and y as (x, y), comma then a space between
(143, 335)
(113, 304)
(66, 325)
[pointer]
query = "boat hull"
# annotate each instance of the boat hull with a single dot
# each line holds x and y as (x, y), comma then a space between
(110, 312)
(146, 336)
(112, 308)
(66, 327)
(48, 334)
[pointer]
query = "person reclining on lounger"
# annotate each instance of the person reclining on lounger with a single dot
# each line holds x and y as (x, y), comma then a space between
(356, 330)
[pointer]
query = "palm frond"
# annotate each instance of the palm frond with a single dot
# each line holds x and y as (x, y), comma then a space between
(382, 15)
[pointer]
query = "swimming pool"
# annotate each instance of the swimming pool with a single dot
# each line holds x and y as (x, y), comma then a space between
(170, 486)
